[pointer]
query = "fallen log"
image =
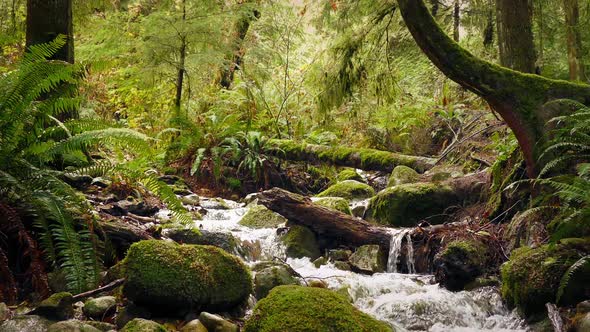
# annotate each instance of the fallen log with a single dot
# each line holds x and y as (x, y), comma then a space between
(365, 159)
(121, 235)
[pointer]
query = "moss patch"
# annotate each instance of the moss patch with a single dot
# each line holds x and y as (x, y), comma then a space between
(303, 309)
(164, 275)
(301, 242)
(143, 325)
(402, 175)
(349, 174)
(531, 277)
(460, 263)
(335, 203)
(260, 217)
(349, 189)
(407, 204)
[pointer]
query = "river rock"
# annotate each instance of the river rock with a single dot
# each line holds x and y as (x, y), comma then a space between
(339, 254)
(102, 326)
(369, 259)
(217, 323)
(194, 326)
(100, 307)
(402, 175)
(129, 313)
(583, 307)
(583, 323)
(344, 266)
(531, 277)
(301, 242)
(335, 203)
(349, 189)
(271, 277)
(58, 306)
(405, 205)
(259, 216)
(167, 276)
(143, 325)
(349, 174)
(225, 241)
(303, 309)
(28, 323)
(460, 263)
(72, 325)
(192, 199)
(4, 312)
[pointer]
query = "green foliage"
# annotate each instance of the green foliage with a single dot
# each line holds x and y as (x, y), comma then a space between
(576, 276)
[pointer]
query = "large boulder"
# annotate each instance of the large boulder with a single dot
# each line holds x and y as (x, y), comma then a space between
(303, 309)
(99, 307)
(369, 259)
(260, 217)
(402, 175)
(349, 174)
(460, 263)
(168, 276)
(407, 204)
(335, 203)
(532, 277)
(349, 189)
(301, 242)
(58, 306)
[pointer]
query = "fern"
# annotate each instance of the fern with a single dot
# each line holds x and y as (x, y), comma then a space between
(577, 274)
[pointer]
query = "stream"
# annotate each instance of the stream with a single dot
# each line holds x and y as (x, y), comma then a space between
(409, 302)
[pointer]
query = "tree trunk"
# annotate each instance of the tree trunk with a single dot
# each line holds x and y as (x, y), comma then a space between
(515, 34)
(574, 41)
(182, 62)
(234, 58)
(366, 159)
(518, 98)
(456, 20)
(46, 19)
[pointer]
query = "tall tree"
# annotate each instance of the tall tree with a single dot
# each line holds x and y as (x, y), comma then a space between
(574, 42)
(46, 19)
(519, 98)
(515, 34)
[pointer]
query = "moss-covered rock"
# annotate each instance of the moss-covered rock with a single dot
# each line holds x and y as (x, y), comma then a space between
(271, 277)
(99, 307)
(169, 276)
(460, 263)
(407, 204)
(143, 325)
(369, 259)
(335, 203)
(349, 174)
(260, 217)
(303, 309)
(349, 189)
(532, 276)
(217, 323)
(58, 306)
(225, 241)
(402, 175)
(300, 242)
(28, 323)
(72, 325)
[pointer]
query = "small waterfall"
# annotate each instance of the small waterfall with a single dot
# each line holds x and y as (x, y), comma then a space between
(395, 250)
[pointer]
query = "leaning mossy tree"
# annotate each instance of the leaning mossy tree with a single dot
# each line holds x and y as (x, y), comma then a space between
(518, 98)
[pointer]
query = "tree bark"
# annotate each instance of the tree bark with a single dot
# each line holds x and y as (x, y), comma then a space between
(517, 97)
(366, 159)
(182, 63)
(574, 41)
(234, 58)
(515, 34)
(46, 19)
(456, 20)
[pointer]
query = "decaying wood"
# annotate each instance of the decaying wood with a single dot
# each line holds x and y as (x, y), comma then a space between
(103, 289)
(365, 159)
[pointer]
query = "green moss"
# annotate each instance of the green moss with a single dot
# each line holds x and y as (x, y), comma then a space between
(407, 204)
(460, 263)
(143, 325)
(335, 203)
(349, 174)
(531, 277)
(303, 309)
(402, 175)
(301, 242)
(260, 217)
(169, 276)
(349, 189)
(561, 228)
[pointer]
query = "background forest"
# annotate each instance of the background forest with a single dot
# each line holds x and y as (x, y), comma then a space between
(155, 103)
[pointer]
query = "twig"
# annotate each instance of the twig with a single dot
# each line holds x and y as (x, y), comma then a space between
(99, 290)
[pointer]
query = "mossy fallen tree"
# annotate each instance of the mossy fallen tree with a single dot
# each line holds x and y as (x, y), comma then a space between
(518, 98)
(365, 159)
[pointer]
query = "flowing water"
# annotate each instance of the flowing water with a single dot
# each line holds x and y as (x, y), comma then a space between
(409, 302)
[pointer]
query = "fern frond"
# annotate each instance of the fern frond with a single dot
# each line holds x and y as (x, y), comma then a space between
(577, 274)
